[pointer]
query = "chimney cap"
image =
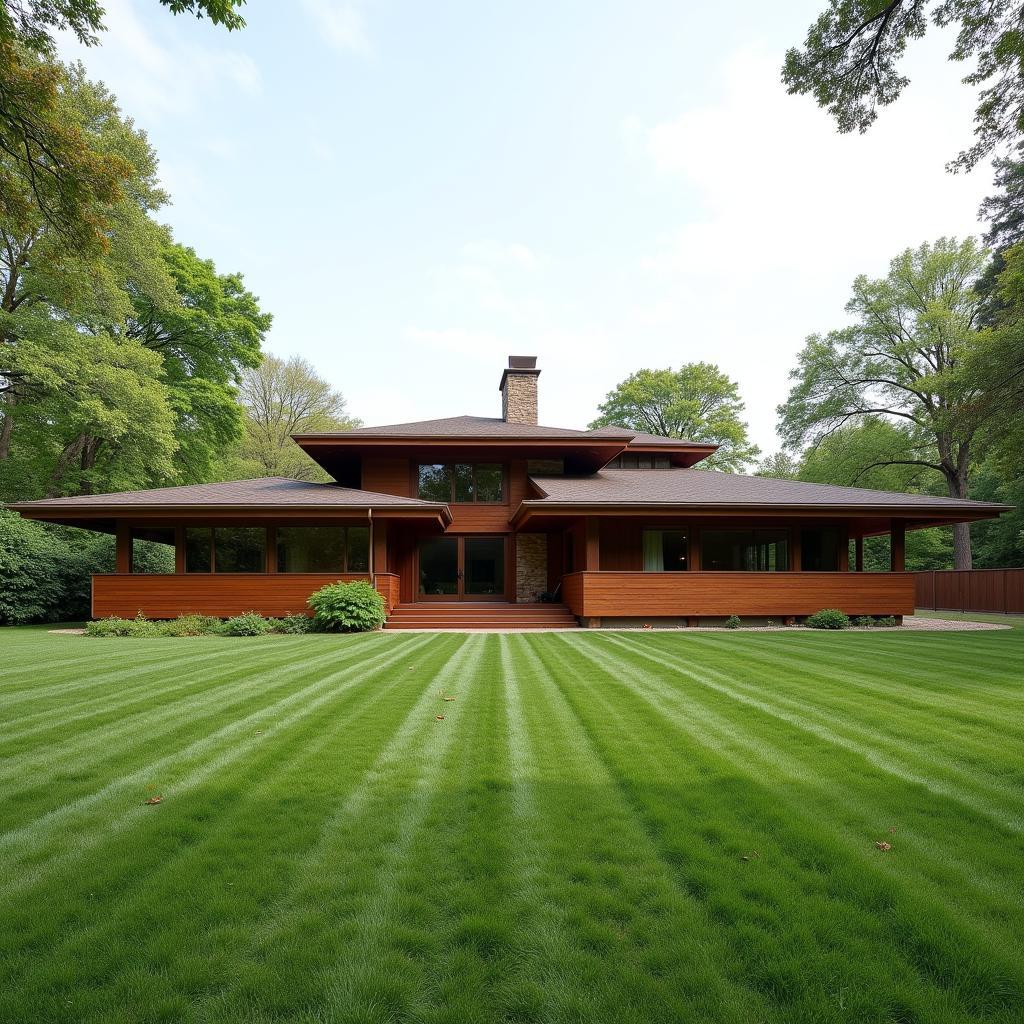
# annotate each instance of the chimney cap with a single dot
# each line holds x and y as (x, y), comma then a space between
(519, 366)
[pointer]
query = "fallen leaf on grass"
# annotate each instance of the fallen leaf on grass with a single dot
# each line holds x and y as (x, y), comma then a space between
(447, 698)
(884, 847)
(440, 718)
(154, 800)
(753, 855)
(892, 829)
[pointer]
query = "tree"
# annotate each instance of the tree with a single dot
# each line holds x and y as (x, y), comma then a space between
(697, 402)
(280, 398)
(907, 361)
(68, 181)
(780, 465)
(850, 62)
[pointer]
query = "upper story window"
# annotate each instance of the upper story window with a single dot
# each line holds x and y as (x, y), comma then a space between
(640, 460)
(457, 482)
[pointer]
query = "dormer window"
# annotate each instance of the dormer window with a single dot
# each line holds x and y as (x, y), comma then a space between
(640, 460)
(462, 482)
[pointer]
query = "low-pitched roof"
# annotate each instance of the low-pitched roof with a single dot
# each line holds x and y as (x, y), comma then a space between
(704, 487)
(270, 492)
(640, 437)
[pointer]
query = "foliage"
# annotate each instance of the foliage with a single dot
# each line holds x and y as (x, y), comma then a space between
(45, 160)
(780, 465)
(904, 361)
(347, 608)
(828, 618)
(280, 398)
(697, 402)
(733, 622)
(295, 624)
(247, 624)
(193, 625)
(886, 621)
(864, 621)
(851, 58)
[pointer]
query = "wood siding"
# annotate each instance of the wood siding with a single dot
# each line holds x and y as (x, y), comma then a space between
(972, 590)
(389, 587)
(715, 594)
(222, 594)
(388, 476)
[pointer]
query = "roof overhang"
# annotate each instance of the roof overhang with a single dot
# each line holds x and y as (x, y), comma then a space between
(104, 517)
(340, 455)
(682, 455)
(544, 513)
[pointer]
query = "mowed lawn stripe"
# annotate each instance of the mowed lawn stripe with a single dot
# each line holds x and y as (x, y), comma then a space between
(817, 787)
(814, 894)
(278, 807)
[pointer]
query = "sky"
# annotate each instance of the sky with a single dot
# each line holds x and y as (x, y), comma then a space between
(416, 191)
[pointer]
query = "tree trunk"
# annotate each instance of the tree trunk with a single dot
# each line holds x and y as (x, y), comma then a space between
(957, 484)
(71, 452)
(6, 428)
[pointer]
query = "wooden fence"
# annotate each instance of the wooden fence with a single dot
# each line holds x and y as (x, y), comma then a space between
(971, 590)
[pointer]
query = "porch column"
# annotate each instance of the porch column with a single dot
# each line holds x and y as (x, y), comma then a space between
(897, 545)
(844, 549)
(592, 552)
(794, 549)
(123, 561)
(271, 542)
(179, 550)
(858, 553)
(380, 545)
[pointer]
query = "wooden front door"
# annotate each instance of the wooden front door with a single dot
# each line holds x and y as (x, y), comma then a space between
(461, 569)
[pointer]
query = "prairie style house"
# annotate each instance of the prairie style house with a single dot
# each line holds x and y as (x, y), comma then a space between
(492, 521)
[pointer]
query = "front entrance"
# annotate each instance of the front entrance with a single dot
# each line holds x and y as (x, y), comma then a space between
(461, 569)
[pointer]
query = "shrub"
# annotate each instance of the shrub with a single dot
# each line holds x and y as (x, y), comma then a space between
(295, 624)
(247, 624)
(886, 620)
(192, 625)
(347, 608)
(110, 627)
(828, 618)
(864, 621)
(733, 622)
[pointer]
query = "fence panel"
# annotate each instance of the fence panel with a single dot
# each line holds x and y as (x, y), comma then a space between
(971, 590)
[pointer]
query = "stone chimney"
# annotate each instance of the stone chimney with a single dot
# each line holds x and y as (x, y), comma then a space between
(519, 390)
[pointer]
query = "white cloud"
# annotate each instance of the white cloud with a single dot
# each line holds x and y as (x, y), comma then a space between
(341, 23)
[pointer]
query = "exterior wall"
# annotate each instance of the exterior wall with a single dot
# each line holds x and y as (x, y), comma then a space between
(222, 594)
(713, 594)
(531, 566)
(519, 398)
(387, 476)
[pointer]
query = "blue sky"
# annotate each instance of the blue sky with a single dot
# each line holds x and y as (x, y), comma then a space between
(417, 190)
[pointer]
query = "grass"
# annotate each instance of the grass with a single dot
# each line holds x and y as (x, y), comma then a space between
(603, 827)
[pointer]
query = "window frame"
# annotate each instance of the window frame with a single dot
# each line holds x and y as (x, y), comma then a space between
(451, 477)
(752, 532)
(343, 569)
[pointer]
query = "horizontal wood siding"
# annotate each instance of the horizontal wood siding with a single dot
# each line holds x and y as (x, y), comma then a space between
(972, 590)
(223, 594)
(713, 594)
(389, 587)
(388, 476)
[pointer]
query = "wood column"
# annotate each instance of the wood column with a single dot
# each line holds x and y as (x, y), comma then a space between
(794, 549)
(858, 553)
(592, 553)
(123, 561)
(271, 549)
(897, 545)
(693, 554)
(179, 550)
(380, 545)
(844, 549)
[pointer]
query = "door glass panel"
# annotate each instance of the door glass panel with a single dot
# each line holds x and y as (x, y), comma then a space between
(439, 564)
(485, 565)
(463, 482)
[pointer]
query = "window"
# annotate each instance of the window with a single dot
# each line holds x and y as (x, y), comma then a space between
(664, 550)
(152, 549)
(640, 461)
(239, 549)
(225, 549)
(323, 549)
(745, 550)
(819, 550)
(461, 482)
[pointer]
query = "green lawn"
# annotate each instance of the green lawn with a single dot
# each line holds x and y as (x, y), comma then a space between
(603, 827)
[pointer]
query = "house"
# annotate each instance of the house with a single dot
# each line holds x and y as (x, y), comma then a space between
(471, 520)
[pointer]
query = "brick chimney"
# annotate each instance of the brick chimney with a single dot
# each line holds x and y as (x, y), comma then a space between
(519, 390)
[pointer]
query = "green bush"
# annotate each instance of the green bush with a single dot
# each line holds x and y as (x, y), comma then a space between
(828, 618)
(113, 626)
(864, 621)
(247, 624)
(886, 620)
(295, 624)
(347, 608)
(192, 625)
(733, 622)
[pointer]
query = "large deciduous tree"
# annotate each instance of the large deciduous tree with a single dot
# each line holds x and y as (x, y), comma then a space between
(906, 361)
(697, 402)
(280, 398)
(851, 61)
(70, 182)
